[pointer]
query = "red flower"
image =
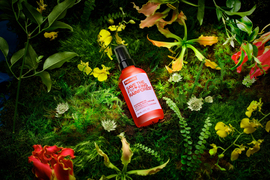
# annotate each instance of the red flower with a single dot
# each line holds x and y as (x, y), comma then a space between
(50, 163)
(263, 56)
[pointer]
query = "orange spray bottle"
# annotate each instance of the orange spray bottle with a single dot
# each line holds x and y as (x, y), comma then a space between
(137, 90)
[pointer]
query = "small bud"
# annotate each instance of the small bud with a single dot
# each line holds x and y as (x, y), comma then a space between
(110, 21)
(131, 22)
(221, 156)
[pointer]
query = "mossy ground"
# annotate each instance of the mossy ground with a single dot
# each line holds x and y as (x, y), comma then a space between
(95, 101)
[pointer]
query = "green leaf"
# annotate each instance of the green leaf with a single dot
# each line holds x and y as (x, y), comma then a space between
(185, 144)
(58, 59)
(219, 13)
(255, 50)
(150, 171)
(248, 48)
(4, 47)
(245, 25)
(189, 142)
(200, 13)
(253, 35)
(242, 14)
(236, 5)
(59, 25)
(183, 161)
(30, 58)
(257, 60)
(17, 56)
(46, 79)
(239, 61)
(59, 11)
(32, 13)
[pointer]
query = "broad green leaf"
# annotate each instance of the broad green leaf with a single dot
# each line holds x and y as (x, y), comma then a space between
(239, 61)
(46, 79)
(4, 47)
(248, 48)
(234, 4)
(200, 13)
(106, 159)
(242, 14)
(245, 25)
(59, 11)
(257, 60)
(58, 59)
(17, 56)
(59, 25)
(219, 13)
(253, 35)
(255, 50)
(30, 59)
(32, 13)
(151, 171)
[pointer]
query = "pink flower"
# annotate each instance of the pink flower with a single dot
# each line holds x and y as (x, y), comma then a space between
(50, 163)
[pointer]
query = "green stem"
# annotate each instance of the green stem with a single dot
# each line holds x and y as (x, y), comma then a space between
(185, 27)
(19, 84)
(197, 78)
(232, 143)
(264, 117)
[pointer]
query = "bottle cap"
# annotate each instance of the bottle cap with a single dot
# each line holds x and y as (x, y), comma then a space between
(123, 57)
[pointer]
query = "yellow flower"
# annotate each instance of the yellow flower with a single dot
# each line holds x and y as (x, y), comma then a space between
(51, 35)
(214, 150)
(223, 130)
(84, 67)
(211, 64)
(255, 148)
(267, 126)
(42, 6)
(104, 39)
(119, 39)
(253, 107)
(207, 40)
(120, 27)
(249, 126)
(236, 152)
(101, 74)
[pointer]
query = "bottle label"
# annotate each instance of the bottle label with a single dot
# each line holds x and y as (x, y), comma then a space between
(141, 94)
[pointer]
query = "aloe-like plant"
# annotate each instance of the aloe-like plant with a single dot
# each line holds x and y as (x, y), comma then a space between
(126, 158)
(33, 23)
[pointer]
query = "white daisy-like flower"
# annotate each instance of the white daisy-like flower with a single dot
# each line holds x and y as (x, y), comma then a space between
(208, 99)
(247, 81)
(109, 125)
(62, 108)
(195, 104)
(175, 78)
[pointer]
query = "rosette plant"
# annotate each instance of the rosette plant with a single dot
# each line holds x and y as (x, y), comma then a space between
(126, 158)
(52, 163)
(157, 18)
(33, 23)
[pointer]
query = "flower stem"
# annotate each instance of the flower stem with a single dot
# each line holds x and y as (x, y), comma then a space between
(264, 117)
(19, 84)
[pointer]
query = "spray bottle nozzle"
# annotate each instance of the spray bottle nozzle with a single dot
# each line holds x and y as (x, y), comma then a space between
(123, 57)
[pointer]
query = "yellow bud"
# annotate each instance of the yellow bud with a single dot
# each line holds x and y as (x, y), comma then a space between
(110, 21)
(131, 22)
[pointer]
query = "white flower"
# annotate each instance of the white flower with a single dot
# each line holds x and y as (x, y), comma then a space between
(175, 78)
(62, 108)
(247, 81)
(109, 125)
(195, 104)
(208, 99)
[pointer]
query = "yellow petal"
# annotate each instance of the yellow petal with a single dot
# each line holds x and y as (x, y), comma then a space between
(267, 126)
(248, 113)
(207, 40)
(212, 65)
(177, 65)
(169, 69)
(235, 154)
(244, 123)
(102, 77)
(222, 133)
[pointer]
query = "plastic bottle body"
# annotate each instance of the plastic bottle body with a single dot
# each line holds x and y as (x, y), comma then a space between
(140, 96)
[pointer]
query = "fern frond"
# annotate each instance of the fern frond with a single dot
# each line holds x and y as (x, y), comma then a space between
(148, 150)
